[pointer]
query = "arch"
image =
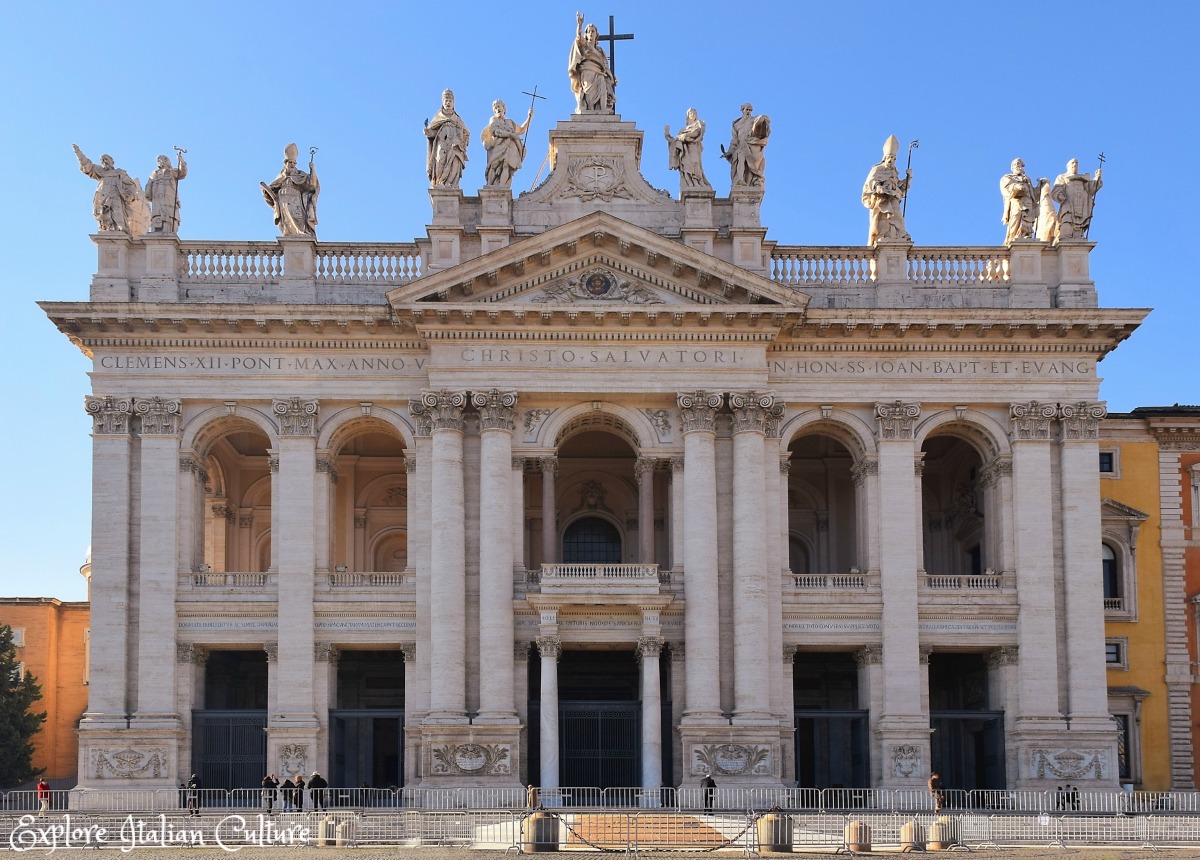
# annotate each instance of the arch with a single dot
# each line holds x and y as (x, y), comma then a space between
(631, 425)
(854, 433)
(350, 421)
(385, 537)
(372, 487)
(807, 546)
(262, 551)
(981, 431)
(595, 541)
(204, 429)
(253, 496)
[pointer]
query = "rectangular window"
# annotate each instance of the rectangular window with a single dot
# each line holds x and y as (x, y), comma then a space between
(1108, 462)
(18, 634)
(1114, 653)
(1124, 747)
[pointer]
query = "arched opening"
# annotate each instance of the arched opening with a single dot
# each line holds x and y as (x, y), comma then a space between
(236, 513)
(591, 540)
(1114, 592)
(368, 507)
(595, 497)
(822, 506)
(953, 508)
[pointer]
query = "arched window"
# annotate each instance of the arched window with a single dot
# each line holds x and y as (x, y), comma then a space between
(1113, 592)
(591, 540)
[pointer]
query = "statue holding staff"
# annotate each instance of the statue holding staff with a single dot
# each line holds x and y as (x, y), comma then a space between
(162, 191)
(1075, 194)
(503, 140)
(293, 195)
(883, 193)
(592, 80)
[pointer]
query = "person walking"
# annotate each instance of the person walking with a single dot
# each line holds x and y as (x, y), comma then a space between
(269, 786)
(43, 796)
(936, 792)
(316, 787)
(709, 785)
(193, 795)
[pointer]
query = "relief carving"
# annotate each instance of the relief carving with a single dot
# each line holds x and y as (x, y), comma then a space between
(596, 177)
(731, 759)
(471, 759)
(596, 285)
(1031, 420)
(661, 419)
(534, 419)
(1069, 764)
(1082, 420)
(159, 417)
(699, 409)
(129, 763)
(445, 408)
(750, 410)
(895, 420)
(495, 408)
(296, 417)
(906, 761)
(110, 415)
(293, 759)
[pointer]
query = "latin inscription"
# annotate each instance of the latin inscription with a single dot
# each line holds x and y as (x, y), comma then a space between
(252, 363)
(931, 368)
(555, 357)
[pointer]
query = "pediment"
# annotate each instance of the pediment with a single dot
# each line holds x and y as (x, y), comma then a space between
(1110, 509)
(597, 262)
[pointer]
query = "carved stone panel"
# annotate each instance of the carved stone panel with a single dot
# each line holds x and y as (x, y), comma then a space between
(732, 759)
(906, 761)
(472, 759)
(1069, 764)
(129, 763)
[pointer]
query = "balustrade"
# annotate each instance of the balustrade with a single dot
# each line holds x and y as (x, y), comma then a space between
(380, 263)
(368, 579)
(231, 262)
(855, 266)
(208, 579)
(958, 266)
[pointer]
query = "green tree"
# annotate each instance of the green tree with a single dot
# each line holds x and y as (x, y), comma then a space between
(18, 724)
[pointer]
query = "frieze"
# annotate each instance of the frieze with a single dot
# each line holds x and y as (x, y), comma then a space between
(732, 760)
(1069, 764)
(829, 625)
(971, 627)
(906, 761)
(129, 763)
(159, 417)
(928, 369)
(110, 415)
(229, 624)
(366, 624)
(297, 417)
(472, 759)
(585, 356)
(239, 364)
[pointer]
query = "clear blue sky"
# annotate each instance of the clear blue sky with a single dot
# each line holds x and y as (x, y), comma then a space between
(978, 83)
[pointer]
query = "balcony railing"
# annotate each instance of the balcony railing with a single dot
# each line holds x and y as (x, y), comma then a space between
(640, 578)
(830, 581)
(968, 582)
(1114, 604)
(209, 579)
(368, 579)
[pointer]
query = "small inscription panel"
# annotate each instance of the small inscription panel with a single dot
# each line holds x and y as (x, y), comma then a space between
(789, 368)
(258, 363)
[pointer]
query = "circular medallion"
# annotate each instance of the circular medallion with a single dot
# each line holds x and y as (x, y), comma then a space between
(598, 284)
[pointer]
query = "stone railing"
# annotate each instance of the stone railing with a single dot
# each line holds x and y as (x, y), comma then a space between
(830, 581)
(602, 577)
(958, 266)
(1114, 604)
(369, 579)
(388, 264)
(209, 579)
(965, 582)
(791, 264)
(230, 262)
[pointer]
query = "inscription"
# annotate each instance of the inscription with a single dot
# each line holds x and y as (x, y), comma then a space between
(935, 368)
(555, 357)
(249, 363)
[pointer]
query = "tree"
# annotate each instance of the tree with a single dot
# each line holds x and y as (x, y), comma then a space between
(18, 724)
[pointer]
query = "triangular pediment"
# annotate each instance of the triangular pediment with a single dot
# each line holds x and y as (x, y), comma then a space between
(1110, 509)
(598, 262)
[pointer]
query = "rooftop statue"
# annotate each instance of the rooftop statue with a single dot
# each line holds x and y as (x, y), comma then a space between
(162, 191)
(119, 203)
(447, 140)
(1020, 203)
(505, 149)
(592, 80)
(684, 152)
(1075, 194)
(1047, 220)
(747, 164)
(882, 194)
(293, 195)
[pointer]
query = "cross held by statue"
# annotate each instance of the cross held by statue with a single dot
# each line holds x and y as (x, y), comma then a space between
(612, 38)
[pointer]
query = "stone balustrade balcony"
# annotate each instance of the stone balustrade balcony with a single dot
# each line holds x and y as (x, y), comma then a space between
(604, 579)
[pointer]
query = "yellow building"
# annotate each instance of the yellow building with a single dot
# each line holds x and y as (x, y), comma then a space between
(1145, 506)
(52, 643)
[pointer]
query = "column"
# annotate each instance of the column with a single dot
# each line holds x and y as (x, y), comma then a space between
(701, 631)
(549, 511)
(1033, 542)
(649, 651)
(904, 725)
(111, 464)
(293, 551)
(549, 647)
(447, 559)
(495, 556)
(643, 472)
(752, 636)
(869, 661)
(521, 698)
(1079, 452)
(416, 464)
(323, 504)
(518, 514)
(158, 557)
(676, 479)
(325, 669)
(412, 712)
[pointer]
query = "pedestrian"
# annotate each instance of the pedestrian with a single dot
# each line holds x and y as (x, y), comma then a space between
(193, 795)
(709, 786)
(1060, 798)
(269, 786)
(936, 792)
(316, 787)
(43, 796)
(288, 790)
(1073, 796)
(298, 792)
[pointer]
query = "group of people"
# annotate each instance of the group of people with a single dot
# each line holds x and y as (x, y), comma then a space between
(290, 792)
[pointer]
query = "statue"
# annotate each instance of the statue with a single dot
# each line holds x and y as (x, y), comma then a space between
(1020, 203)
(745, 153)
(505, 149)
(293, 195)
(684, 152)
(447, 145)
(592, 81)
(1047, 219)
(119, 203)
(1075, 194)
(882, 193)
(162, 191)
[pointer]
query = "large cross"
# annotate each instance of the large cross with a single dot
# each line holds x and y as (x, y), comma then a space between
(612, 39)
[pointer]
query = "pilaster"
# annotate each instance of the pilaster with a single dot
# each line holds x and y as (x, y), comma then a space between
(160, 280)
(298, 283)
(495, 225)
(111, 281)
(446, 231)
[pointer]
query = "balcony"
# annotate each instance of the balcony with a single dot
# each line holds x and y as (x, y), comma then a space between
(608, 579)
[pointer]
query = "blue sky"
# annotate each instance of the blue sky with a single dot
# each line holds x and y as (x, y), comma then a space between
(978, 83)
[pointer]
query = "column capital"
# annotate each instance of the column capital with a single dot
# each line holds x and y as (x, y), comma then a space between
(789, 654)
(422, 417)
(896, 420)
(548, 464)
(297, 417)
(159, 417)
(272, 649)
(643, 466)
(110, 415)
(325, 652)
(750, 410)
(521, 649)
(549, 647)
(409, 652)
(863, 469)
(496, 409)
(445, 408)
(869, 655)
(518, 464)
(273, 461)
(1005, 655)
(410, 462)
(995, 471)
(650, 646)
(785, 462)
(923, 654)
(1030, 422)
(676, 465)
(1081, 420)
(699, 410)
(326, 465)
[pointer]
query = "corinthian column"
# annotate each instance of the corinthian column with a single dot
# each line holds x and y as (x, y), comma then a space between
(701, 624)
(643, 471)
(549, 647)
(649, 651)
(447, 559)
(549, 516)
(751, 680)
(496, 702)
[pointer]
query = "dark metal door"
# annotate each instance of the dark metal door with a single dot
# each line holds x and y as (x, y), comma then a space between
(229, 748)
(600, 744)
(831, 749)
(967, 748)
(367, 748)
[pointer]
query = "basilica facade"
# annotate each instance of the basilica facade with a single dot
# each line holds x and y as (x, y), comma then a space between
(595, 486)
